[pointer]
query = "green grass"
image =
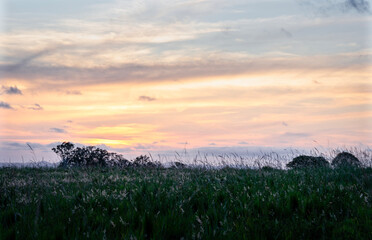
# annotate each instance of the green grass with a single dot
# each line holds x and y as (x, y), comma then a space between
(185, 203)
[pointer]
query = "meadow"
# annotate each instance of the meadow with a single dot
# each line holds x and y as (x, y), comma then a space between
(188, 203)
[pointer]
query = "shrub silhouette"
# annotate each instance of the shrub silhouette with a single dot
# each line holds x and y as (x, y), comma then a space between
(267, 168)
(345, 159)
(144, 161)
(304, 161)
(178, 165)
(88, 156)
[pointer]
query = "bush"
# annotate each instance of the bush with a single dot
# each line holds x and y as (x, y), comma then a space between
(267, 168)
(307, 162)
(88, 156)
(345, 159)
(144, 161)
(178, 165)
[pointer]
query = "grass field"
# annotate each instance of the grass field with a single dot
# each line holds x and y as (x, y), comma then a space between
(138, 203)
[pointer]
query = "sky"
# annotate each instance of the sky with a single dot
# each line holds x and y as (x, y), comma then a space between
(146, 76)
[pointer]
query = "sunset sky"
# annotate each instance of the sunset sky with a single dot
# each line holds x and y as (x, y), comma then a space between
(146, 76)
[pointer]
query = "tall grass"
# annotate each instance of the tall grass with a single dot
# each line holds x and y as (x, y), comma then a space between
(194, 203)
(257, 160)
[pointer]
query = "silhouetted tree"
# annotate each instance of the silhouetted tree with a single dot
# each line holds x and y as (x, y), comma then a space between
(88, 156)
(65, 151)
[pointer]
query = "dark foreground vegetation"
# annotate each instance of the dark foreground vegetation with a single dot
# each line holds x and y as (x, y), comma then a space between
(158, 203)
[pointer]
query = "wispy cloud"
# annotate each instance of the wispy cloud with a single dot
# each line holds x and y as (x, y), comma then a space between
(94, 51)
(146, 98)
(25, 61)
(5, 105)
(361, 6)
(73, 92)
(57, 130)
(141, 147)
(286, 33)
(36, 107)
(207, 67)
(327, 6)
(11, 90)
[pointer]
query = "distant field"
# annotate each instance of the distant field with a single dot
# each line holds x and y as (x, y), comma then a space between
(185, 204)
